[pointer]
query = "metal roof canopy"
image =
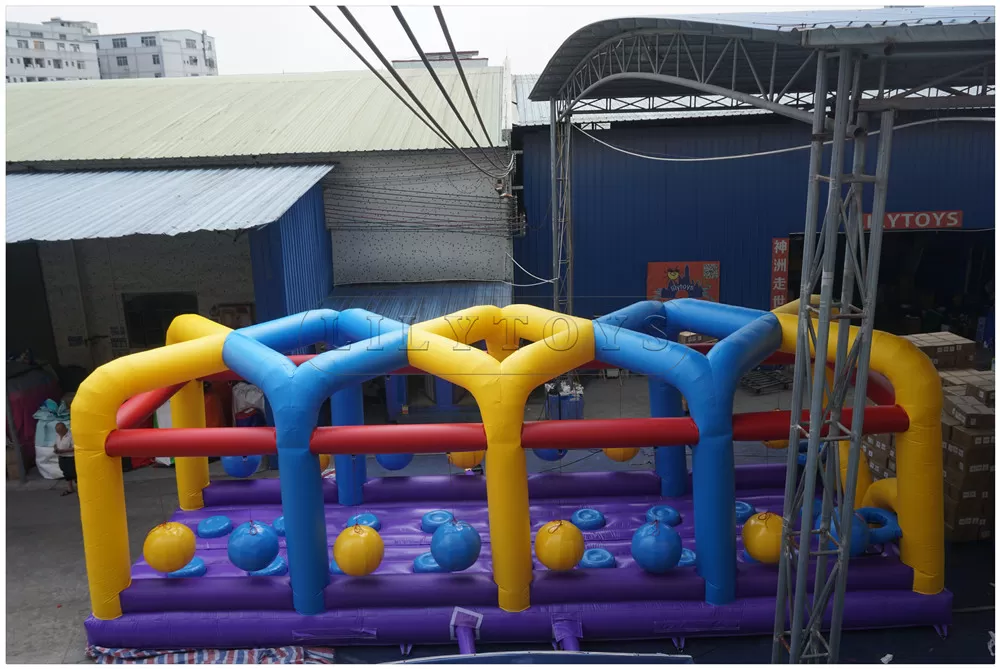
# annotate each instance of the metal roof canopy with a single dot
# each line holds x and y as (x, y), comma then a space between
(802, 65)
(60, 206)
(763, 58)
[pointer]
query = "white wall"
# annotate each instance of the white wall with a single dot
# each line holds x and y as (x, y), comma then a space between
(17, 70)
(209, 264)
(415, 216)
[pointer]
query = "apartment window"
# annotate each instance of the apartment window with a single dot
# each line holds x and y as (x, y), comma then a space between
(49, 62)
(60, 46)
(156, 59)
(17, 60)
(208, 45)
(40, 46)
(193, 60)
(193, 74)
(122, 61)
(190, 44)
(62, 35)
(119, 43)
(76, 47)
(157, 74)
(148, 40)
(81, 65)
(22, 44)
(11, 60)
(34, 34)
(57, 64)
(32, 79)
(210, 62)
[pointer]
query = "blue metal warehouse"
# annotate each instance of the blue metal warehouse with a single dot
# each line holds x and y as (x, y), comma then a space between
(629, 211)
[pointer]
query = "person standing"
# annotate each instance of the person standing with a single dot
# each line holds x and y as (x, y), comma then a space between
(67, 463)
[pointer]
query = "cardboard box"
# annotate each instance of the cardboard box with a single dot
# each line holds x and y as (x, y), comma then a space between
(947, 423)
(963, 480)
(972, 437)
(968, 411)
(694, 338)
(966, 530)
(935, 347)
(982, 390)
(963, 350)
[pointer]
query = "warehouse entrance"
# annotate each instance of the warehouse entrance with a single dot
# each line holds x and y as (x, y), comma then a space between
(929, 280)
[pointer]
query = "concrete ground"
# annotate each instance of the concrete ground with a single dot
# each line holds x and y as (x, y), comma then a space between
(47, 598)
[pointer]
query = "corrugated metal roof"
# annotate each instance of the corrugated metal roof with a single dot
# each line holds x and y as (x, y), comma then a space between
(261, 115)
(87, 205)
(796, 32)
(531, 113)
(417, 302)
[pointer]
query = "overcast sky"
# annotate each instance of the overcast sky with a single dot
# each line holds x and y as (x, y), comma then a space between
(258, 40)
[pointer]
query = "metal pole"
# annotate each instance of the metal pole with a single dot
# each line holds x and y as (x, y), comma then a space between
(22, 473)
(567, 185)
(830, 230)
(802, 349)
(554, 206)
(864, 358)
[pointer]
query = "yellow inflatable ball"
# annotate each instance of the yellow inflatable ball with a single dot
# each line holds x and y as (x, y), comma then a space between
(466, 460)
(324, 462)
(762, 537)
(169, 547)
(559, 545)
(358, 550)
(621, 454)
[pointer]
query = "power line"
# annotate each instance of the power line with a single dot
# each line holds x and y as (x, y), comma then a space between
(399, 80)
(758, 154)
(444, 92)
(461, 71)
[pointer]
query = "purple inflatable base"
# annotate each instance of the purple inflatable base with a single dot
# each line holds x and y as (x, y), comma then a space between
(613, 621)
(228, 609)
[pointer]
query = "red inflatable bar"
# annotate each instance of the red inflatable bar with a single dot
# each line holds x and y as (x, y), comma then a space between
(456, 437)
(140, 407)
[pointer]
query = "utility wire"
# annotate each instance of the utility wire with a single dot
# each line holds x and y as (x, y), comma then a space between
(461, 72)
(444, 91)
(671, 159)
(399, 80)
(364, 60)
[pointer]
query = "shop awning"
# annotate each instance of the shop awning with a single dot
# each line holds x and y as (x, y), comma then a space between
(59, 206)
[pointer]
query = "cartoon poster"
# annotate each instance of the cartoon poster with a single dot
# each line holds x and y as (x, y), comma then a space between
(671, 280)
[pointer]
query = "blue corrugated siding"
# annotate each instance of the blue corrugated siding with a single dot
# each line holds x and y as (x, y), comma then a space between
(628, 211)
(292, 260)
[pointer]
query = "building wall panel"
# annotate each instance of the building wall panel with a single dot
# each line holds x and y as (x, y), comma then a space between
(629, 211)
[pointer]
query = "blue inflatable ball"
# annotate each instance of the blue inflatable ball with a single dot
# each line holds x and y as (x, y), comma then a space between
(597, 558)
(241, 466)
(192, 569)
(435, 519)
(588, 519)
(367, 519)
(859, 532)
(279, 525)
(253, 546)
(278, 567)
(550, 454)
(335, 568)
(666, 515)
(743, 511)
(455, 545)
(656, 547)
(426, 564)
(688, 558)
(394, 461)
(214, 526)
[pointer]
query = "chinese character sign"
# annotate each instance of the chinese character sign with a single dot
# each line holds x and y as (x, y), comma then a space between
(671, 280)
(779, 271)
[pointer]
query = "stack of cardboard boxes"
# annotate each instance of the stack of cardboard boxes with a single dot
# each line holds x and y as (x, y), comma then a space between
(967, 438)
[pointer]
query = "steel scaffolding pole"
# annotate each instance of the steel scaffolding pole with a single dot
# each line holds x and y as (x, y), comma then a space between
(804, 639)
(554, 203)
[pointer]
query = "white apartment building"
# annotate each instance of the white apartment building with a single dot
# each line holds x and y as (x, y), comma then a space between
(55, 50)
(161, 53)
